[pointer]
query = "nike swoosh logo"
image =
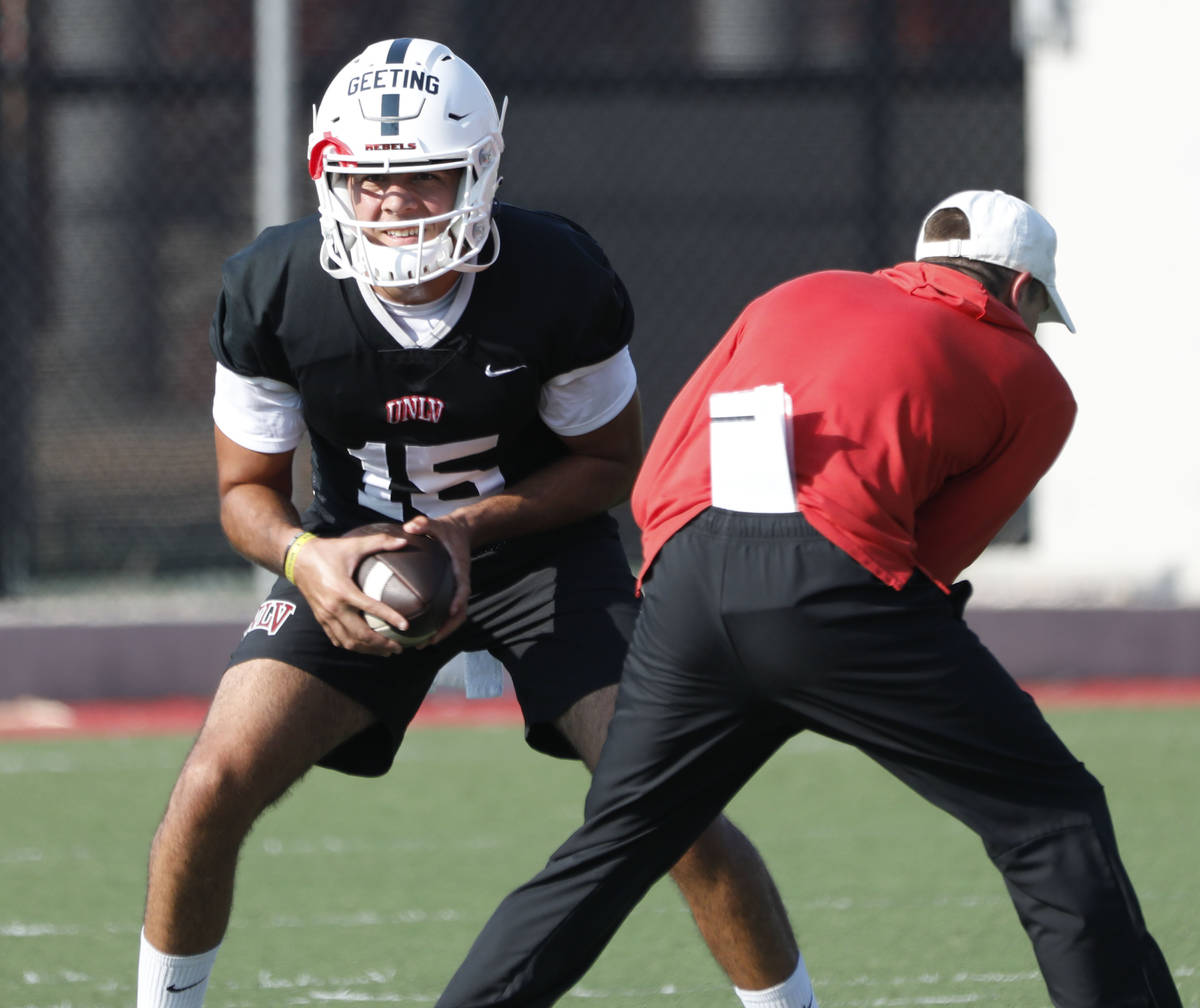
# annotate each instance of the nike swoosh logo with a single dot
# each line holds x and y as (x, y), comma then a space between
(494, 372)
(172, 989)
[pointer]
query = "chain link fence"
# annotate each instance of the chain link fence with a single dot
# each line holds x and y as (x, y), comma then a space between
(714, 147)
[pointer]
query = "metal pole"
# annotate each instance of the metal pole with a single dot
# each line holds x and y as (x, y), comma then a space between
(275, 45)
(276, 42)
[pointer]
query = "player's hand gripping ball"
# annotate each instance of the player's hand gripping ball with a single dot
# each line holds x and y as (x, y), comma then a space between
(417, 581)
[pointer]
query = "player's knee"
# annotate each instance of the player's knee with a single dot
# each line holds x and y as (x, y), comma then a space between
(215, 792)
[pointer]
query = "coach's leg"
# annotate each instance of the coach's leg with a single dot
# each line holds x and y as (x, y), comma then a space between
(1078, 906)
(1045, 824)
(645, 805)
(955, 727)
(268, 724)
(732, 897)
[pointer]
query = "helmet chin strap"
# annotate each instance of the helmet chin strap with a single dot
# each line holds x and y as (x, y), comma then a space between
(403, 263)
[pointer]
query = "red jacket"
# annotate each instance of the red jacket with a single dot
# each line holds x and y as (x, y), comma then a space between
(923, 414)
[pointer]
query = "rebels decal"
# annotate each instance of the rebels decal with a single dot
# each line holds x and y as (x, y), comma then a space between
(271, 616)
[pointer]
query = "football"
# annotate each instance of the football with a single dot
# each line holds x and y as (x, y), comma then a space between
(417, 581)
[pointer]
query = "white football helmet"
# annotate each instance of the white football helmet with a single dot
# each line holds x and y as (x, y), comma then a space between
(406, 105)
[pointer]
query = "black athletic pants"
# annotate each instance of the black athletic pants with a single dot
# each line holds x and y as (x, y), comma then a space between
(754, 628)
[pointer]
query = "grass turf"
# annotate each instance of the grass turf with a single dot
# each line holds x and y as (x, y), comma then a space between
(369, 892)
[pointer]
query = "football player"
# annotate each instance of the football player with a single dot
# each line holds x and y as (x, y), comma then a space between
(460, 366)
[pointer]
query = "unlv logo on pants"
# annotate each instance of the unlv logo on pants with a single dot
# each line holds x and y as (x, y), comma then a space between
(271, 615)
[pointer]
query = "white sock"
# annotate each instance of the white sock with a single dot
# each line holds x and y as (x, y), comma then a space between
(171, 981)
(795, 992)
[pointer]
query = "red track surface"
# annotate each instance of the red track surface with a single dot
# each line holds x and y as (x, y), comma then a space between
(170, 715)
(39, 718)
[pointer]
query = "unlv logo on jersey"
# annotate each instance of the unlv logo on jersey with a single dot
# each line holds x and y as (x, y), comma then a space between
(271, 616)
(414, 407)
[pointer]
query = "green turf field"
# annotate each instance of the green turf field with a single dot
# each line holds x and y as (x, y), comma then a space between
(369, 892)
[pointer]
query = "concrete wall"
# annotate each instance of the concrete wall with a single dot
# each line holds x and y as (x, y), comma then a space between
(1114, 162)
(122, 661)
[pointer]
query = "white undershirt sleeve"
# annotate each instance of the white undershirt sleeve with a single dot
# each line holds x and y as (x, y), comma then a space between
(585, 399)
(261, 414)
(264, 415)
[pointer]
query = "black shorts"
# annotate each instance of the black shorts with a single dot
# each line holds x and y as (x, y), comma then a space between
(557, 610)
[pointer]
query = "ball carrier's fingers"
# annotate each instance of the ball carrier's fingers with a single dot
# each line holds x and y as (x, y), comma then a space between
(453, 535)
(324, 569)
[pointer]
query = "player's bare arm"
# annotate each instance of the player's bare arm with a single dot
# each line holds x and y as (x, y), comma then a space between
(260, 521)
(597, 474)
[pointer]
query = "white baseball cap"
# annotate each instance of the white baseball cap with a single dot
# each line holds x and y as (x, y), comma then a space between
(1005, 231)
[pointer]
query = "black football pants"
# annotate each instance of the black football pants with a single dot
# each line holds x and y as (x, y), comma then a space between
(755, 628)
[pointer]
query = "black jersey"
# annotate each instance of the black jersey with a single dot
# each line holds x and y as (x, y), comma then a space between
(398, 431)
